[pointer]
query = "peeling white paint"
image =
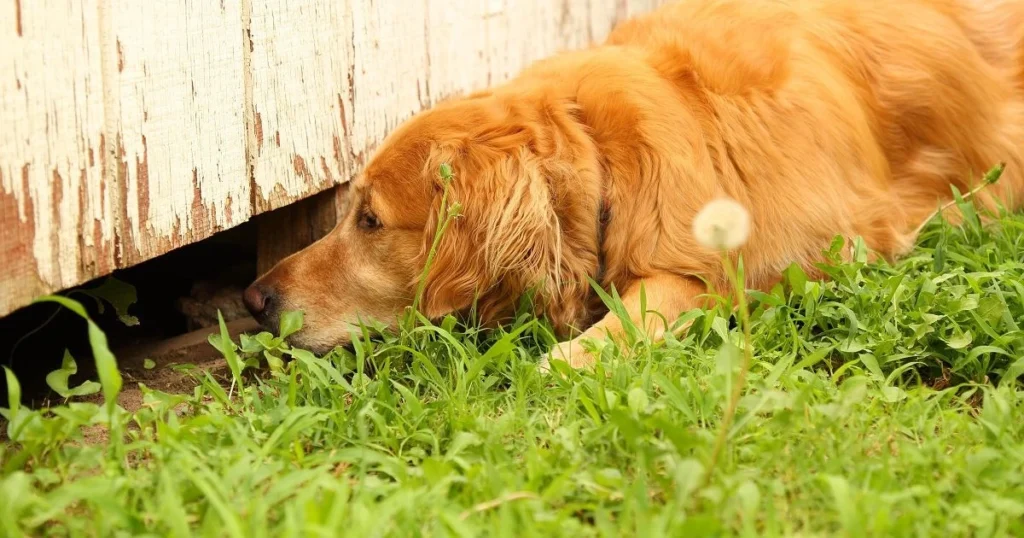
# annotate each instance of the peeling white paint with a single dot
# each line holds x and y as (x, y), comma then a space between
(180, 96)
(50, 121)
(301, 54)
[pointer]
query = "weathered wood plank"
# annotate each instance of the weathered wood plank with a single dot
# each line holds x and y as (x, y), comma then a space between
(56, 214)
(175, 105)
(300, 59)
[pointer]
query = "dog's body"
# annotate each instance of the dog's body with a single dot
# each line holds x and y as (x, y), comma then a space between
(821, 117)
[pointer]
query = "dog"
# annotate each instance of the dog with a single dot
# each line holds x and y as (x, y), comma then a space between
(820, 117)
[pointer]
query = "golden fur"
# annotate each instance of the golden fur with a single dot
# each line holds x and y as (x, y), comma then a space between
(822, 117)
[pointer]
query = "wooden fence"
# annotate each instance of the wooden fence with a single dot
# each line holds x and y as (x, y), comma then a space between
(132, 127)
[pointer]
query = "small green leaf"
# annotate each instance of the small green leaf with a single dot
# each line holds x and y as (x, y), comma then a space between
(813, 358)
(871, 363)
(643, 304)
(446, 172)
(939, 257)
(13, 392)
(291, 322)
(106, 363)
(275, 363)
(58, 379)
(927, 294)
(119, 294)
(851, 345)
(860, 250)
(960, 341)
(148, 364)
(87, 388)
(630, 428)
(250, 344)
(797, 279)
(893, 394)
(448, 323)
(267, 341)
(21, 423)
(227, 349)
(966, 209)
(609, 478)
(1012, 372)
(637, 400)
(454, 210)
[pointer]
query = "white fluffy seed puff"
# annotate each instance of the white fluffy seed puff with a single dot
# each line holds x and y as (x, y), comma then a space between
(723, 224)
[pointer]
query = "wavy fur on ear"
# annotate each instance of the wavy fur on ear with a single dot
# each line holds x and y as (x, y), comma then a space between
(531, 242)
(509, 238)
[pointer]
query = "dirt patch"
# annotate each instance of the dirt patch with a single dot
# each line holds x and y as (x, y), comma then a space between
(191, 349)
(188, 349)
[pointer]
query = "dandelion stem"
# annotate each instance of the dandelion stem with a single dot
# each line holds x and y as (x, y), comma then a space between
(989, 178)
(739, 285)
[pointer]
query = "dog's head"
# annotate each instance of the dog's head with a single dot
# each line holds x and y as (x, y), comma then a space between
(524, 187)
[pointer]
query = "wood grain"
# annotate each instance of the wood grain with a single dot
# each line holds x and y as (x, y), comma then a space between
(57, 224)
(175, 115)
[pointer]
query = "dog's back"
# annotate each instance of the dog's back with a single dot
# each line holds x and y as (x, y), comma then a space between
(938, 83)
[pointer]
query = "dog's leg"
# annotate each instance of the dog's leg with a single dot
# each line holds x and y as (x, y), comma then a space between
(667, 297)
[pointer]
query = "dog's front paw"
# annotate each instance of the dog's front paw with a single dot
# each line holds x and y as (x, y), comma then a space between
(572, 352)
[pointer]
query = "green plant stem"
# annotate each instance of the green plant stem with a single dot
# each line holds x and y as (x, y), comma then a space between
(989, 178)
(741, 379)
(445, 217)
(445, 214)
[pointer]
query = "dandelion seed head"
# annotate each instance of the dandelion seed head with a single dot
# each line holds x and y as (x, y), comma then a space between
(723, 224)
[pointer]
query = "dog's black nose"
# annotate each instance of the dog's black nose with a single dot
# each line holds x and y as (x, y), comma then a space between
(256, 300)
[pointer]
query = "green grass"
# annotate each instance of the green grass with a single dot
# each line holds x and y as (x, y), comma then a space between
(884, 402)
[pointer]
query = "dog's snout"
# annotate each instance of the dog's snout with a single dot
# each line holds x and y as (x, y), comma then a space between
(257, 301)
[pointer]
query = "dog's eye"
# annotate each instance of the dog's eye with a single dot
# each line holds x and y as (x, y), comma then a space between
(368, 221)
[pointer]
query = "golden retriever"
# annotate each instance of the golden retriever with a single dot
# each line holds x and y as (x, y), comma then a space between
(820, 117)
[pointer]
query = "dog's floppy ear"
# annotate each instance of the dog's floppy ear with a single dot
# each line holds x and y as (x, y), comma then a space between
(506, 238)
